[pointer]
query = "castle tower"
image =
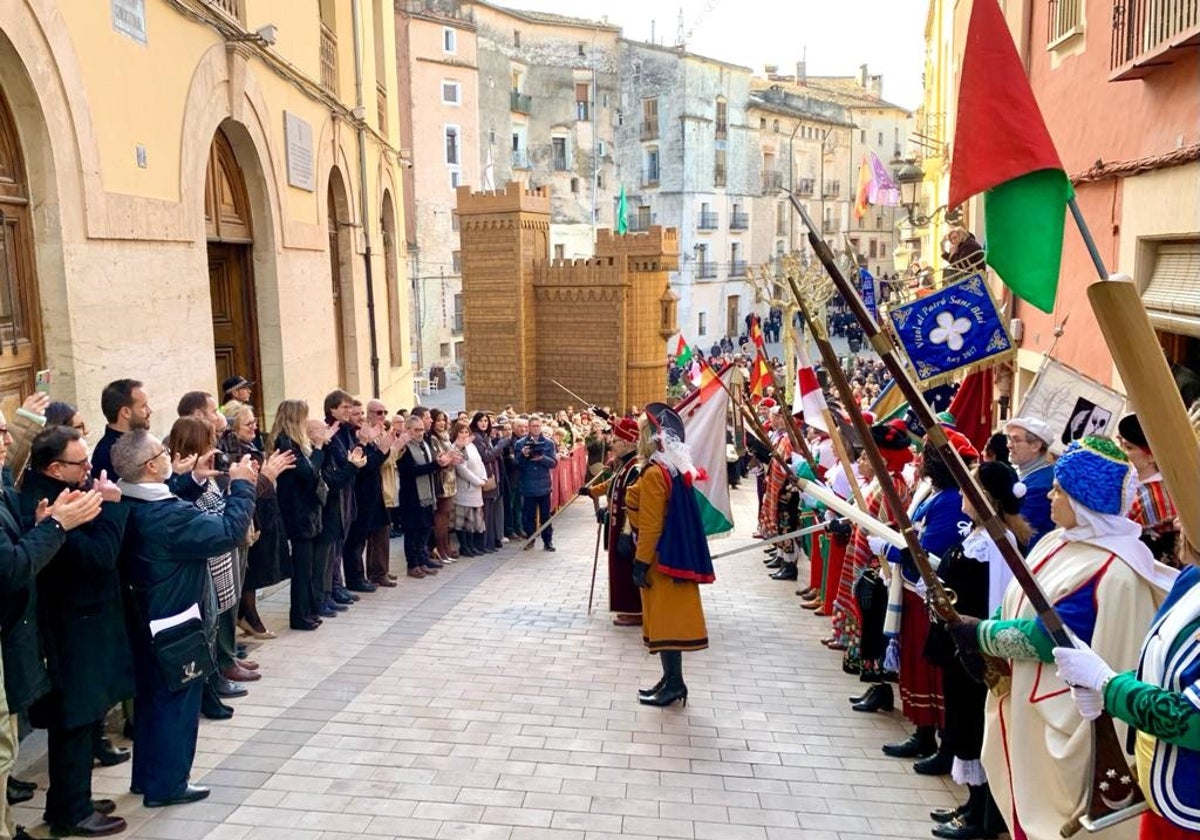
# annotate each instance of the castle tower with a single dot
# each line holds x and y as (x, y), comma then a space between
(502, 234)
(650, 313)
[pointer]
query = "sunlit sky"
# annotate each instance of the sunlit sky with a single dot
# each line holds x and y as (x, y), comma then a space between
(834, 36)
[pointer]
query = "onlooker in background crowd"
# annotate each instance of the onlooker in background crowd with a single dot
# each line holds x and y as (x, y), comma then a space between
(467, 522)
(416, 467)
(370, 526)
(166, 556)
(343, 458)
(126, 408)
(535, 459)
(493, 505)
(445, 488)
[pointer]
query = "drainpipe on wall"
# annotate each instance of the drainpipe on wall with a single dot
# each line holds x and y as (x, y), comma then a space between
(360, 115)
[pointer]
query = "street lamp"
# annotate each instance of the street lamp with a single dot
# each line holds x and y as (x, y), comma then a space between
(910, 177)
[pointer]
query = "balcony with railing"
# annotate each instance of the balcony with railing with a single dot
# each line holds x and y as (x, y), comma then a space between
(522, 103)
(381, 108)
(230, 8)
(649, 129)
(739, 220)
(805, 186)
(829, 226)
(708, 220)
(329, 69)
(772, 182)
(1150, 34)
(706, 270)
(832, 189)
(520, 159)
(737, 268)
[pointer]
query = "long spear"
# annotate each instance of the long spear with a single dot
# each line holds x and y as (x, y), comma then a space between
(1110, 757)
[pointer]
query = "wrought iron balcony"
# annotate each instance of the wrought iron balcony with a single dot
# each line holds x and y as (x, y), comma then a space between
(649, 129)
(1065, 19)
(1148, 34)
(739, 220)
(706, 270)
(329, 70)
(772, 182)
(737, 268)
(805, 186)
(522, 103)
(708, 220)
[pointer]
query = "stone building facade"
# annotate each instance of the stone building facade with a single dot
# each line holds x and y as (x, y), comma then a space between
(596, 325)
(690, 160)
(186, 197)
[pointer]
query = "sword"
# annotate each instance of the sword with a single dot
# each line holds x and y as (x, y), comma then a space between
(811, 529)
(591, 405)
(595, 565)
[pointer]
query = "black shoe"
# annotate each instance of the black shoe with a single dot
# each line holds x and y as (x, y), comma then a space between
(93, 825)
(789, 571)
(945, 815)
(550, 547)
(304, 624)
(190, 793)
(363, 586)
(17, 795)
(665, 696)
(228, 688)
(938, 764)
(108, 755)
(104, 806)
(21, 784)
(775, 562)
(882, 700)
(212, 707)
(872, 689)
(340, 597)
(960, 829)
(650, 692)
(920, 743)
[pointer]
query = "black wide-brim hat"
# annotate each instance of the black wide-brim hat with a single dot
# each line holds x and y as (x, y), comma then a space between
(665, 419)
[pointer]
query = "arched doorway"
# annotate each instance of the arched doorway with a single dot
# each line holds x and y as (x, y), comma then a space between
(340, 271)
(230, 236)
(388, 223)
(21, 352)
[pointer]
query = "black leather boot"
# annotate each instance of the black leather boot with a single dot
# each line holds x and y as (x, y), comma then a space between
(466, 545)
(921, 743)
(872, 689)
(673, 689)
(775, 562)
(883, 700)
(788, 571)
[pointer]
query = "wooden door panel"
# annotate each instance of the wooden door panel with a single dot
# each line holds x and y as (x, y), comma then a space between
(235, 337)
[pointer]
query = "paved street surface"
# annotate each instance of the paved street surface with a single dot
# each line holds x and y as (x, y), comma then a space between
(486, 704)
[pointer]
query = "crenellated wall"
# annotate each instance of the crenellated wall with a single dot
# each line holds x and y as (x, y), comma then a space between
(597, 326)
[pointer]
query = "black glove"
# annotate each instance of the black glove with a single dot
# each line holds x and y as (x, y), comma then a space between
(840, 528)
(639, 574)
(585, 491)
(601, 516)
(966, 635)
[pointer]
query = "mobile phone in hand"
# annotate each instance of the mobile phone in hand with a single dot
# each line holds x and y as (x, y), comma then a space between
(42, 381)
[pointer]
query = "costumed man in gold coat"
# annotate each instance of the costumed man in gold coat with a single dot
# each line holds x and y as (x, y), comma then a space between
(623, 596)
(672, 557)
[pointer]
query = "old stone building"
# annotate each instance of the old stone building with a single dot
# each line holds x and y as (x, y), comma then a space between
(596, 325)
(688, 159)
(194, 189)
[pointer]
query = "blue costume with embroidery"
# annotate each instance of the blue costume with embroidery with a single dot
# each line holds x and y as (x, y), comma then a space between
(943, 526)
(1035, 507)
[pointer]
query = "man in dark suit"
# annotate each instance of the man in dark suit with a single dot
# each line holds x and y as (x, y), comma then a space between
(81, 623)
(24, 552)
(167, 546)
(126, 407)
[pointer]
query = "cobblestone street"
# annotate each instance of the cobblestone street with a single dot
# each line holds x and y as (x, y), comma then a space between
(486, 703)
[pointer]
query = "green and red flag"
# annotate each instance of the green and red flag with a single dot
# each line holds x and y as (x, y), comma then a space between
(681, 354)
(1003, 149)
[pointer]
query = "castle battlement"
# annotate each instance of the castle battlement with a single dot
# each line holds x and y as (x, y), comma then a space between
(513, 198)
(658, 241)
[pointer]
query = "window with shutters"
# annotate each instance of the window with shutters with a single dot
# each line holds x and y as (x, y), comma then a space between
(582, 98)
(650, 119)
(1172, 295)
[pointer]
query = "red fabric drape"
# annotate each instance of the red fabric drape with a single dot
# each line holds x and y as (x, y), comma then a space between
(972, 407)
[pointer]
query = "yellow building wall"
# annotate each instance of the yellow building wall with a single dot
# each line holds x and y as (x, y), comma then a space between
(121, 249)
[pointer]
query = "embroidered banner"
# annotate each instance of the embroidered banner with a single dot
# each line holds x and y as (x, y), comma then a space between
(1073, 404)
(954, 330)
(867, 289)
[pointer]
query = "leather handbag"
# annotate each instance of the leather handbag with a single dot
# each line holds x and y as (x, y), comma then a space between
(183, 654)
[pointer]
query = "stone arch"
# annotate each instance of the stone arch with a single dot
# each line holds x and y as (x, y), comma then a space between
(391, 275)
(340, 226)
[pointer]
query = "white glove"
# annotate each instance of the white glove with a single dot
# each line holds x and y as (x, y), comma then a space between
(1090, 703)
(922, 589)
(878, 545)
(1081, 666)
